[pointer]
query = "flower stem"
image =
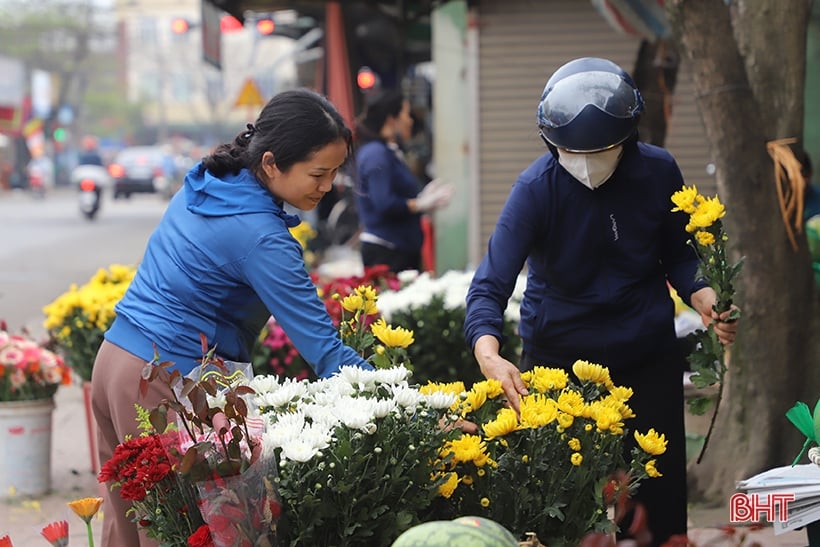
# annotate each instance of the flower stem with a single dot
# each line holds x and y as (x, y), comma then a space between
(712, 421)
(90, 533)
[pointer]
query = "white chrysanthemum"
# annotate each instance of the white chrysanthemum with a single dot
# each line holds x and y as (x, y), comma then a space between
(393, 375)
(279, 395)
(299, 450)
(384, 407)
(362, 379)
(407, 276)
(318, 435)
(440, 400)
(280, 434)
(321, 415)
(321, 384)
(407, 397)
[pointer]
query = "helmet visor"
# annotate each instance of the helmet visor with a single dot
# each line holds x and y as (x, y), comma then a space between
(606, 91)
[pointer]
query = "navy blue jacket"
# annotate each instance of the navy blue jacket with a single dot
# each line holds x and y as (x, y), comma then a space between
(385, 184)
(598, 262)
(221, 262)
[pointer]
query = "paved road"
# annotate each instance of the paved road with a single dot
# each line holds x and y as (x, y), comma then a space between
(48, 245)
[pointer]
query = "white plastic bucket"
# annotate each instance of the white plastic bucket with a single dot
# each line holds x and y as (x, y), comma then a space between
(25, 447)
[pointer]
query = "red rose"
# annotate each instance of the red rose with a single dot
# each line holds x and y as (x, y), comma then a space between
(201, 538)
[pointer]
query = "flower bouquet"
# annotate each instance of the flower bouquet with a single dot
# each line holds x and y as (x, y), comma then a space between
(708, 359)
(28, 371)
(552, 469)
(78, 318)
(204, 478)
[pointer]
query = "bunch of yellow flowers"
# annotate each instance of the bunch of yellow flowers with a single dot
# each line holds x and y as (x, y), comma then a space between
(78, 318)
(543, 470)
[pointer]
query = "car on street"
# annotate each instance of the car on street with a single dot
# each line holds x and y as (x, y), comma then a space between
(141, 169)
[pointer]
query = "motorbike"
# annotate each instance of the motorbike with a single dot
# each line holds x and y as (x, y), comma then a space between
(91, 180)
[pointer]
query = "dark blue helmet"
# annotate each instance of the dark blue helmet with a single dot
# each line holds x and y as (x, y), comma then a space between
(589, 105)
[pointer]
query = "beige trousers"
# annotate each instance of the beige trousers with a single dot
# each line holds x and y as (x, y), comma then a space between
(115, 391)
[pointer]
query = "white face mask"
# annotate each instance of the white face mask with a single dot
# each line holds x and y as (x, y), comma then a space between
(591, 170)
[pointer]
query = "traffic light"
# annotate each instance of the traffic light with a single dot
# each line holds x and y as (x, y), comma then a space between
(265, 26)
(229, 24)
(59, 134)
(180, 25)
(366, 79)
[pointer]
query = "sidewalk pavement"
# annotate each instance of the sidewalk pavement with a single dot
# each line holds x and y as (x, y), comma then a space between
(71, 478)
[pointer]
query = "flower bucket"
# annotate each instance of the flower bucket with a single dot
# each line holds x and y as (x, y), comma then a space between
(25, 447)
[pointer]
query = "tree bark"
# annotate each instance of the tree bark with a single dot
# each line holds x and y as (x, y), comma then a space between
(748, 63)
(655, 74)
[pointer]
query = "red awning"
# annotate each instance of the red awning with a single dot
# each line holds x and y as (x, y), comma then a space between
(339, 85)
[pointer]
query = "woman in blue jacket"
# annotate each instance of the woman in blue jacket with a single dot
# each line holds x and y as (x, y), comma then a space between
(592, 220)
(390, 199)
(220, 263)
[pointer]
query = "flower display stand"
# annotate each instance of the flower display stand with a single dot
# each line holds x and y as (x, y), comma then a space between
(25, 447)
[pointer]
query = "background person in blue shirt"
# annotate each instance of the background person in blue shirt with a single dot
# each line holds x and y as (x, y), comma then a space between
(390, 199)
(220, 263)
(592, 220)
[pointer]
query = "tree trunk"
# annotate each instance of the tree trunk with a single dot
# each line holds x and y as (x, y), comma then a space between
(748, 63)
(655, 74)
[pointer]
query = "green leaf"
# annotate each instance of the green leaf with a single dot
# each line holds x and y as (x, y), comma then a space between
(699, 405)
(817, 422)
(800, 416)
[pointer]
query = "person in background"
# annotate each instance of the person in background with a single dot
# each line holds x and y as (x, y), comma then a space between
(89, 155)
(592, 219)
(811, 197)
(220, 263)
(390, 200)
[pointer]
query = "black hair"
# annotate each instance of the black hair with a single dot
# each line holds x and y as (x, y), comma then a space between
(292, 126)
(377, 109)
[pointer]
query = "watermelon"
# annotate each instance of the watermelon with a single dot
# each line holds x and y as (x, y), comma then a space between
(461, 532)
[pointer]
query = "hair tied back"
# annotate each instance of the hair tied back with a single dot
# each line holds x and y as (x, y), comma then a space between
(250, 132)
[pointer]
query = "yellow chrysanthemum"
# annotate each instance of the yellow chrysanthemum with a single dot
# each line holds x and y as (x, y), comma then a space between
(571, 402)
(352, 302)
(537, 410)
(574, 444)
(707, 213)
(565, 420)
(86, 508)
(485, 502)
(591, 372)
(505, 422)
(545, 379)
(467, 448)
(606, 418)
(685, 199)
(621, 393)
(472, 401)
(392, 337)
(303, 233)
(576, 459)
(704, 238)
(447, 488)
(651, 470)
(652, 443)
(453, 388)
(490, 387)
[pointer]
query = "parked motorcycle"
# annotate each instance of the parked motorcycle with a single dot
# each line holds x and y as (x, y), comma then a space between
(91, 180)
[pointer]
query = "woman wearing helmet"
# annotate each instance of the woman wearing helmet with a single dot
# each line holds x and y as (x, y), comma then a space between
(592, 220)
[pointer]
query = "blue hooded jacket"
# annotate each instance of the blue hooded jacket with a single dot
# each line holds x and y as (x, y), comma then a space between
(598, 262)
(220, 263)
